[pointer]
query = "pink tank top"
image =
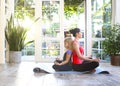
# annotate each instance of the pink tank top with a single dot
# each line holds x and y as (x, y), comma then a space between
(75, 58)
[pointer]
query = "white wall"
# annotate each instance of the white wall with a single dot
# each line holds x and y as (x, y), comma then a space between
(115, 11)
(2, 26)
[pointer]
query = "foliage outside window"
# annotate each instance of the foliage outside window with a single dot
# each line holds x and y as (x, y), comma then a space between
(101, 18)
(24, 8)
(72, 7)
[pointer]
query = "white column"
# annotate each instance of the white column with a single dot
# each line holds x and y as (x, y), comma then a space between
(61, 13)
(115, 11)
(38, 30)
(2, 34)
(88, 31)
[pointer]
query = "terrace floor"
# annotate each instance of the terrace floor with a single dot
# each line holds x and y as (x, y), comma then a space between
(22, 75)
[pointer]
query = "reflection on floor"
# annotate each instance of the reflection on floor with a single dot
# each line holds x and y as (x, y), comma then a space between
(22, 75)
(28, 58)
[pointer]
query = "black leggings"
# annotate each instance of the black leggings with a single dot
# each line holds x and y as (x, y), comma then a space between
(85, 66)
(65, 67)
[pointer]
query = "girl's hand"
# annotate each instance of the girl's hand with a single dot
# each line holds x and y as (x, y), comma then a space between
(57, 58)
(56, 63)
(96, 60)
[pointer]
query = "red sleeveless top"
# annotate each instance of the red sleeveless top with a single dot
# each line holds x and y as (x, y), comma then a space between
(75, 58)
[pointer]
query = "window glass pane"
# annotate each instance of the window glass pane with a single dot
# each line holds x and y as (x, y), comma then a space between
(50, 29)
(24, 11)
(101, 18)
(50, 49)
(50, 19)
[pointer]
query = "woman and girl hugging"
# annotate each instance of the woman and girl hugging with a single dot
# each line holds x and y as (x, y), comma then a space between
(73, 58)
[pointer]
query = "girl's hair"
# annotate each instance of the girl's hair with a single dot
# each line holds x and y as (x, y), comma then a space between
(74, 31)
(69, 40)
(67, 34)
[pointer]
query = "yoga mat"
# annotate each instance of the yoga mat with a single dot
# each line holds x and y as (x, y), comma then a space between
(47, 68)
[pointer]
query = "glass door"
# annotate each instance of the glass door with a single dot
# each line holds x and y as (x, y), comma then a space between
(101, 19)
(51, 33)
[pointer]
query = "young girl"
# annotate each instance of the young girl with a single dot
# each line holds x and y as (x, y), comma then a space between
(65, 64)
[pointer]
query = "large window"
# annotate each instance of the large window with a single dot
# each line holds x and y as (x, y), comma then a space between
(50, 29)
(101, 18)
(52, 24)
(49, 37)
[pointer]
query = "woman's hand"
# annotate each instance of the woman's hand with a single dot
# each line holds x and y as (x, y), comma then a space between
(90, 57)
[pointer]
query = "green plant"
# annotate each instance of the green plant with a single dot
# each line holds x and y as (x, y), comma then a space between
(15, 35)
(111, 44)
(72, 7)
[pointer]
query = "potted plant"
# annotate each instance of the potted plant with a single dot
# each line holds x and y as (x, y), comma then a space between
(15, 36)
(111, 44)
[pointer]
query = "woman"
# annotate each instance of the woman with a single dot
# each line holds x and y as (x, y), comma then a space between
(65, 64)
(79, 61)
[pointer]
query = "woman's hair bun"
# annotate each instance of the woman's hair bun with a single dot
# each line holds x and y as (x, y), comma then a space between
(74, 31)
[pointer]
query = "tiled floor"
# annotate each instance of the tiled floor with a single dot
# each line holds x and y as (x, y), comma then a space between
(22, 75)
